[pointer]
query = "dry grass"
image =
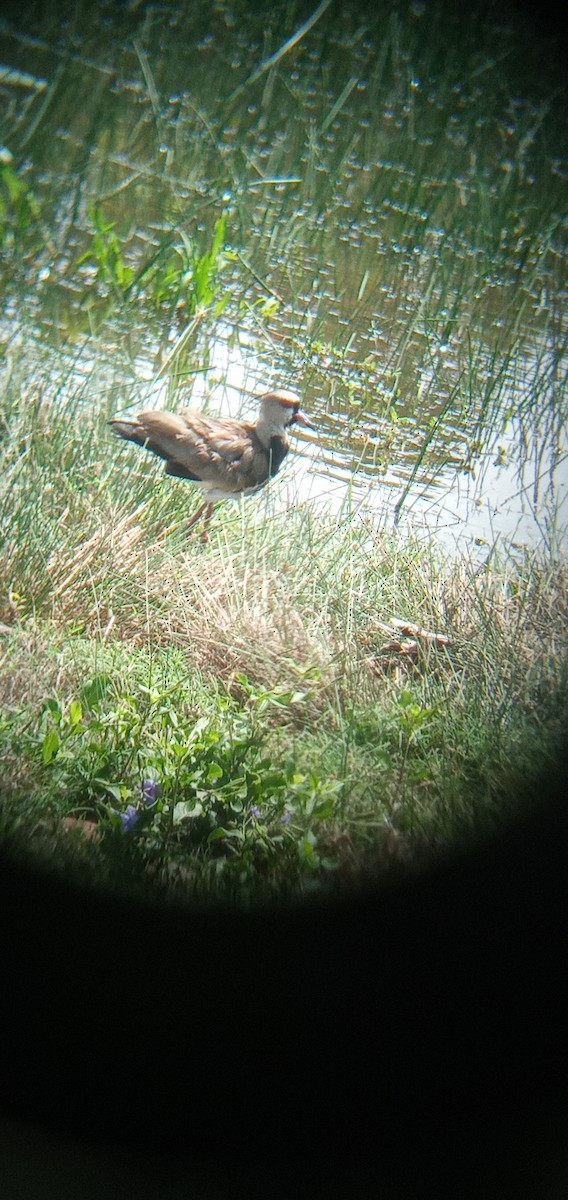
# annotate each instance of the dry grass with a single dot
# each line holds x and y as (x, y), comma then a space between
(244, 604)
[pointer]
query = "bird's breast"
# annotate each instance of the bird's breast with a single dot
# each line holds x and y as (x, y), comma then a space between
(277, 453)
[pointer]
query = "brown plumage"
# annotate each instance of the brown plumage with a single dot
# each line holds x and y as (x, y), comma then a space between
(221, 456)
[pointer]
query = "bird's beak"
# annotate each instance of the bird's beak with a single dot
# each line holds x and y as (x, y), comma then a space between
(302, 419)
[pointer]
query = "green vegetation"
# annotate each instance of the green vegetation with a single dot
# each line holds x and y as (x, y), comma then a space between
(18, 208)
(176, 275)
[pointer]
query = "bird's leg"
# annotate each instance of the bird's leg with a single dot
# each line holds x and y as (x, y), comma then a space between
(208, 515)
(197, 516)
(207, 508)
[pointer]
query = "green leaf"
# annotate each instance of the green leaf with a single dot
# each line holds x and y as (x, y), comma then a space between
(222, 303)
(95, 689)
(75, 713)
(219, 236)
(217, 834)
(200, 725)
(185, 808)
(324, 810)
(50, 745)
(114, 789)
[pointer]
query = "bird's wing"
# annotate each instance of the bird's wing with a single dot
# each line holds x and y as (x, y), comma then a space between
(226, 453)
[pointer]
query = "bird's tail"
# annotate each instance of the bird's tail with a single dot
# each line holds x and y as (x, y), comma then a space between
(132, 431)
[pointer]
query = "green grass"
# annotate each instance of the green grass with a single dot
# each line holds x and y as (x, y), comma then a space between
(297, 736)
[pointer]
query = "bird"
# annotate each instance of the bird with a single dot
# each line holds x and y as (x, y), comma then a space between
(221, 456)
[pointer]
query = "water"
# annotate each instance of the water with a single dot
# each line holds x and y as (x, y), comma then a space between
(394, 194)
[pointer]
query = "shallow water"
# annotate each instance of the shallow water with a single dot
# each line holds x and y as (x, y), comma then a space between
(394, 192)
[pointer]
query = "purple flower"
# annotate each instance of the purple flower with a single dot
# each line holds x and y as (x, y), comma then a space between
(254, 810)
(150, 791)
(129, 818)
(286, 818)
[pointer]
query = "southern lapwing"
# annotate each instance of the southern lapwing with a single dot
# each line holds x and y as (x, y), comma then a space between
(221, 456)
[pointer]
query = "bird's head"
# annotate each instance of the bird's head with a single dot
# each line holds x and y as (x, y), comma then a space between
(280, 409)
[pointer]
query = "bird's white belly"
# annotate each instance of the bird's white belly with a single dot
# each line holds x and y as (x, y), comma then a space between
(213, 493)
